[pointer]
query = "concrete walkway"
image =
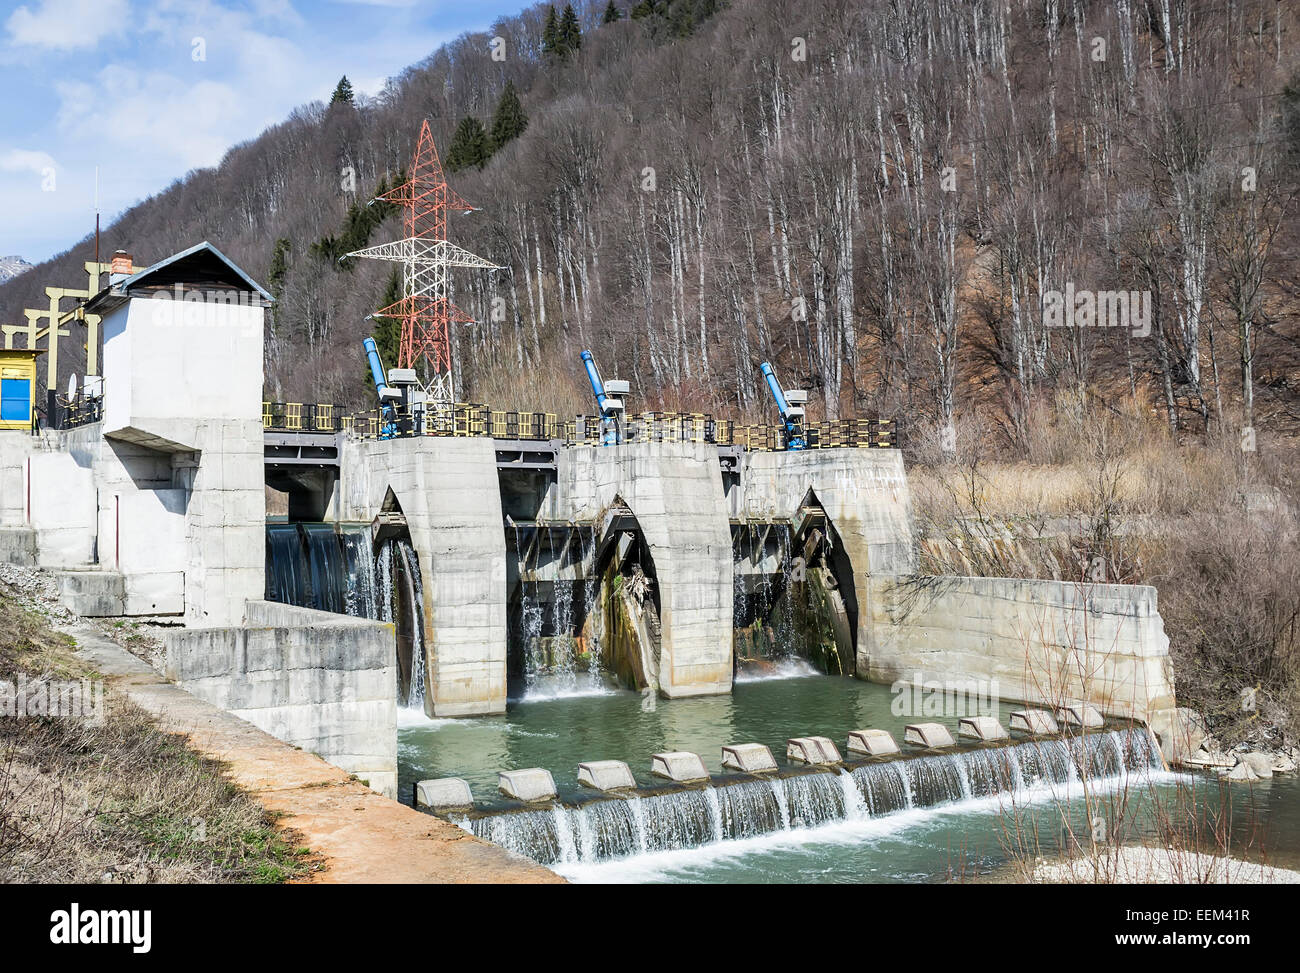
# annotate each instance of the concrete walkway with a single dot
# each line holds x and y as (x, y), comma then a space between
(362, 836)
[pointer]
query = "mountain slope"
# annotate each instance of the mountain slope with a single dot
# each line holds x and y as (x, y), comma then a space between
(879, 197)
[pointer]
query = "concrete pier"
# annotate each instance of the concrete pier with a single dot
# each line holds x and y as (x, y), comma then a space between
(446, 490)
(675, 492)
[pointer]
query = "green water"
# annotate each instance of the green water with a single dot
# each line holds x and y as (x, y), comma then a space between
(964, 840)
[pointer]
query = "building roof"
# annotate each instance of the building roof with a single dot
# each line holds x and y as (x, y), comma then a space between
(200, 263)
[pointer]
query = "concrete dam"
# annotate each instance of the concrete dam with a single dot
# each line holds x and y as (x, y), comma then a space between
(454, 562)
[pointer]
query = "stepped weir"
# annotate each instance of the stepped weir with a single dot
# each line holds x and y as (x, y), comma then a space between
(745, 806)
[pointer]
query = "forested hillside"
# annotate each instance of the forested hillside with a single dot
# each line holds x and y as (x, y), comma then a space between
(877, 195)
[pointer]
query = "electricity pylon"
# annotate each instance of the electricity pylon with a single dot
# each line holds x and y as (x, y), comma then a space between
(426, 257)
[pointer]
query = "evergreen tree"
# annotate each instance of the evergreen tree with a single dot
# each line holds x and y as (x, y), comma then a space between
(645, 8)
(551, 44)
(509, 121)
(343, 92)
(611, 14)
(279, 265)
(387, 331)
(570, 32)
(469, 146)
(276, 274)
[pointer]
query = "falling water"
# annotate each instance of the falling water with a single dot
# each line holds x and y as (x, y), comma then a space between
(606, 829)
(764, 620)
(331, 568)
(320, 566)
(388, 573)
(549, 633)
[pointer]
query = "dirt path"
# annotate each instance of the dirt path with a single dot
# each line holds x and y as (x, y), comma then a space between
(362, 836)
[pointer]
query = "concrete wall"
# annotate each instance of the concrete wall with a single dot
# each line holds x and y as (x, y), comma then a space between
(1042, 641)
(62, 508)
(447, 489)
(675, 491)
(864, 493)
(172, 367)
(15, 447)
(323, 682)
(177, 463)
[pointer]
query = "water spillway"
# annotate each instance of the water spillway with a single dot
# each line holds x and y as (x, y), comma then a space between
(730, 810)
(335, 568)
(323, 566)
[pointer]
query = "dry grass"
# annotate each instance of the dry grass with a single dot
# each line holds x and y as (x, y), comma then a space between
(116, 799)
(1110, 496)
(560, 390)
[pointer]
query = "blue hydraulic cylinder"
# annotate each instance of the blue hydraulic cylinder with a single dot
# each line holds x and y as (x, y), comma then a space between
(376, 366)
(389, 428)
(781, 404)
(794, 437)
(597, 386)
(609, 418)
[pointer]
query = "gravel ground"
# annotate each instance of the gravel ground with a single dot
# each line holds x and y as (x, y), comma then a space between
(1138, 865)
(39, 592)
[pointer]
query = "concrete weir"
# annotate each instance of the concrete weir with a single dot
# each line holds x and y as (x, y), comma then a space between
(502, 532)
(455, 503)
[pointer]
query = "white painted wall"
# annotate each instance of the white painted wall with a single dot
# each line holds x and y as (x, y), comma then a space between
(62, 509)
(170, 364)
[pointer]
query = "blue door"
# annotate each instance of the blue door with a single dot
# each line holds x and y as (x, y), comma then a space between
(15, 400)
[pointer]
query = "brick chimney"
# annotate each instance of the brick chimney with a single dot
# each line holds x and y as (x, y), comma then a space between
(121, 268)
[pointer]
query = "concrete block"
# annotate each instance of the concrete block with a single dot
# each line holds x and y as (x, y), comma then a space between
(751, 758)
(817, 751)
(1034, 722)
(1079, 714)
(929, 735)
(606, 775)
(18, 546)
(155, 594)
(533, 784)
(680, 766)
(873, 743)
(444, 794)
(94, 594)
(984, 728)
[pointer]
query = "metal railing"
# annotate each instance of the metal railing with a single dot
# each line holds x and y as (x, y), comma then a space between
(301, 417)
(79, 410)
(469, 419)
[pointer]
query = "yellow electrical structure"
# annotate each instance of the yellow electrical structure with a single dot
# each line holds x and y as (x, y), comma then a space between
(55, 318)
(17, 387)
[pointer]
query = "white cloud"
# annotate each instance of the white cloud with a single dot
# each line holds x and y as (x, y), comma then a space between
(26, 160)
(67, 25)
(155, 115)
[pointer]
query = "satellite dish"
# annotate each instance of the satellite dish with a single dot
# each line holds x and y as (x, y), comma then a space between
(72, 385)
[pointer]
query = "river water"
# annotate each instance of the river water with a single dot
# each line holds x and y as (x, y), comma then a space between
(944, 825)
(969, 815)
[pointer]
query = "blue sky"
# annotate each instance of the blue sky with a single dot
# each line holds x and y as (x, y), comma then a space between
(150, 89)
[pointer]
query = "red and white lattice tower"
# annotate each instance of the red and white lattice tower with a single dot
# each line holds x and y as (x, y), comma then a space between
(426, 257)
